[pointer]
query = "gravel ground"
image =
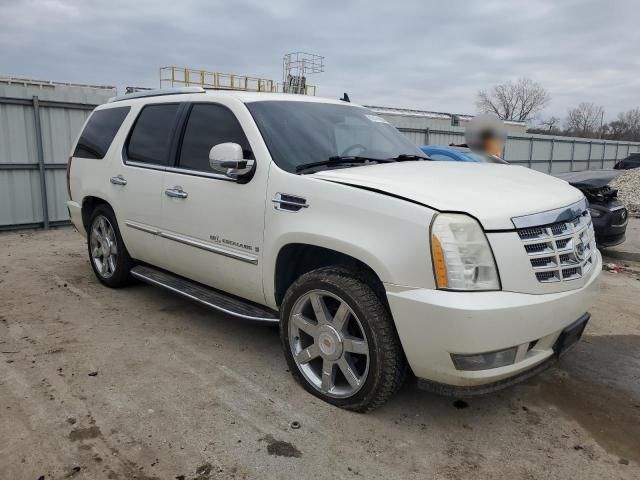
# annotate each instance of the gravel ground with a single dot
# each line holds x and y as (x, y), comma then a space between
(139, 384)
(628, 185)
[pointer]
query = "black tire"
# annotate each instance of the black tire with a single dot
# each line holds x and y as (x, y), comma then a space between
(386, 361)
(117, 274)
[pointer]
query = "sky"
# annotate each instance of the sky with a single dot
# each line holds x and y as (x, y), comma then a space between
(432, 55)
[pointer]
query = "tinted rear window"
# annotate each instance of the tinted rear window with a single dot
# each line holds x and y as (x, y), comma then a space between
(152, 132)
(99, 132)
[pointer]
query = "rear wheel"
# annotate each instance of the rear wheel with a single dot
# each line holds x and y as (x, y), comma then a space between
(109, 257)
(340, 341)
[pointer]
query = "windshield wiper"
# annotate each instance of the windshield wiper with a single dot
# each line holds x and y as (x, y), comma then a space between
(408, 156)
(342, 160)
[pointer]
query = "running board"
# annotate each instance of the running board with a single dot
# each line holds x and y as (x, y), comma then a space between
(206, 296)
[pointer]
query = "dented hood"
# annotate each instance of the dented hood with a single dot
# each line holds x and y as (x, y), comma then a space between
(492, 193)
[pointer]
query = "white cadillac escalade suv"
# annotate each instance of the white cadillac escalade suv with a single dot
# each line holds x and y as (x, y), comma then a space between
(319, 216)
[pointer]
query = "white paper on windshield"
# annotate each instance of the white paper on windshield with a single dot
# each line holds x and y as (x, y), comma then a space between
(376, 118)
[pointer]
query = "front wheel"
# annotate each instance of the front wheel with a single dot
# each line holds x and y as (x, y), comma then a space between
(340, 341)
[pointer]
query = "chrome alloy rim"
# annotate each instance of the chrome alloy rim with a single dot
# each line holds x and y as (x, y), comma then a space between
(328, 344)
(104, 247)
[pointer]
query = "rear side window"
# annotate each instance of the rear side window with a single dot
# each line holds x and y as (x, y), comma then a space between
(99, 132)
(151, 136)
(207, 126)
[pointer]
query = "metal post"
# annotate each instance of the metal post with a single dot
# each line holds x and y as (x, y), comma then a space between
(573, 151)
(589, 157)
(604, 147)
(40, 153)
(553, 143)
(616, 160)
(530, 151)
(426, 136)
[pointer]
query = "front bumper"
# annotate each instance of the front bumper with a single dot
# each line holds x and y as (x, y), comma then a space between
(611, 225)
(433, 324)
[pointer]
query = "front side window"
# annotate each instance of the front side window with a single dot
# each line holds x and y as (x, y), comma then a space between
(99, 132)
(207, 126)
(299, 133)
(151, 135)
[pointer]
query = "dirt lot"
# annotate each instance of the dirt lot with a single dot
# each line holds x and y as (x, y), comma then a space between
(136, 383)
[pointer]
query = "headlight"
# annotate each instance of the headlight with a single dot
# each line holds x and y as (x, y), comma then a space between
(462, 257)
(595, 213)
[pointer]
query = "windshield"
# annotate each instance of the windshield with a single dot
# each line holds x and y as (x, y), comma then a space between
(299, 133)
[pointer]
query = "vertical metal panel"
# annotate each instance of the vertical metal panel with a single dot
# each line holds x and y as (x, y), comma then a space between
(62, 111)
(57, 195)
(580, 155)
(40, 152)
(20, 200)
(610, 155)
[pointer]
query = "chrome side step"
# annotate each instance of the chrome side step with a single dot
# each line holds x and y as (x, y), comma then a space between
(206, 296)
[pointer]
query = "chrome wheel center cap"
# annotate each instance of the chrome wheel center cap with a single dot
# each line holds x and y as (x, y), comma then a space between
(330, 343)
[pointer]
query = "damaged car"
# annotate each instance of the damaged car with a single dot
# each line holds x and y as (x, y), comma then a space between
(608, 214)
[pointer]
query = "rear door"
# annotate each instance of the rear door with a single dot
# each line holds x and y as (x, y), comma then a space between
(212, 225)
(138, 181)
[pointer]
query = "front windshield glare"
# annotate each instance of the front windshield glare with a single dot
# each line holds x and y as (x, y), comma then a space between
(298, 133)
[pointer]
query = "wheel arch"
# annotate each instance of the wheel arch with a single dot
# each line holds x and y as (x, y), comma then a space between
(295, 259)
(89, 204)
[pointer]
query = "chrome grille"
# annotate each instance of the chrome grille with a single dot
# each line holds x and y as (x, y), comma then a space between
(561, 251)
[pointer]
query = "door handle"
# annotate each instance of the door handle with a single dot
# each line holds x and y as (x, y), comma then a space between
(118, 180)
(176, 192)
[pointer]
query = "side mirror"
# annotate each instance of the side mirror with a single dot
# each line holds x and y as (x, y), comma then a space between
(227, 159)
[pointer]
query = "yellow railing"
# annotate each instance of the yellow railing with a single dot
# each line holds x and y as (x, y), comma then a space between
(190, 77)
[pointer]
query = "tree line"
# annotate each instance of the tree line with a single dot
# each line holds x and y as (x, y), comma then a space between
(524, 99)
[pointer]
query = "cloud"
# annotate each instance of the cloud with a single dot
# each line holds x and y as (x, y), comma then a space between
(417, 54)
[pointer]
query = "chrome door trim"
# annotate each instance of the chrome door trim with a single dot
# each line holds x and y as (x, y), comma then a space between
(209, 247)
(192, 242)
(142, 227)
(150, 166)
(557, 215)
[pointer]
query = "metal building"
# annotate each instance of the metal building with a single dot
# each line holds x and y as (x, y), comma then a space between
(39, 120)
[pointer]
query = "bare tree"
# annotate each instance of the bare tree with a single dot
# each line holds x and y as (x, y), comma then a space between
(550, 124)
(585, 120)
(627, 125)
(518, 101)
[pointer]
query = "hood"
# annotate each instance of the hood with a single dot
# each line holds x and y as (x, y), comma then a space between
(492, 193)
(589, 178)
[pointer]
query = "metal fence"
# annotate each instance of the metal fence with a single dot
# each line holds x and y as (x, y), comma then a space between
(39, 123)
(35, 139)
(541, 152)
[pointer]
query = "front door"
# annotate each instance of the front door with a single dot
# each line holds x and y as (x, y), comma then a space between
(213, 226)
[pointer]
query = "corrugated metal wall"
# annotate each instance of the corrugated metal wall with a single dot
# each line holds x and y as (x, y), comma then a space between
(38, 123)
(40, 120)
(541, 152)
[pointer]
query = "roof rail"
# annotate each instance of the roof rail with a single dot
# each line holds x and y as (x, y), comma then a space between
(157, 92)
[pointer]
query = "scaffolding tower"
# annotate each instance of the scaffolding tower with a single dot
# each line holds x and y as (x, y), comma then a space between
(295, 68)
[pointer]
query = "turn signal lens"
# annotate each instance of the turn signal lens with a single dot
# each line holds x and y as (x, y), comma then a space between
(462, 257)
(439, 265)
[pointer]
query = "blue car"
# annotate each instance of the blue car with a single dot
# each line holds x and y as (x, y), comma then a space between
(457, 154)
